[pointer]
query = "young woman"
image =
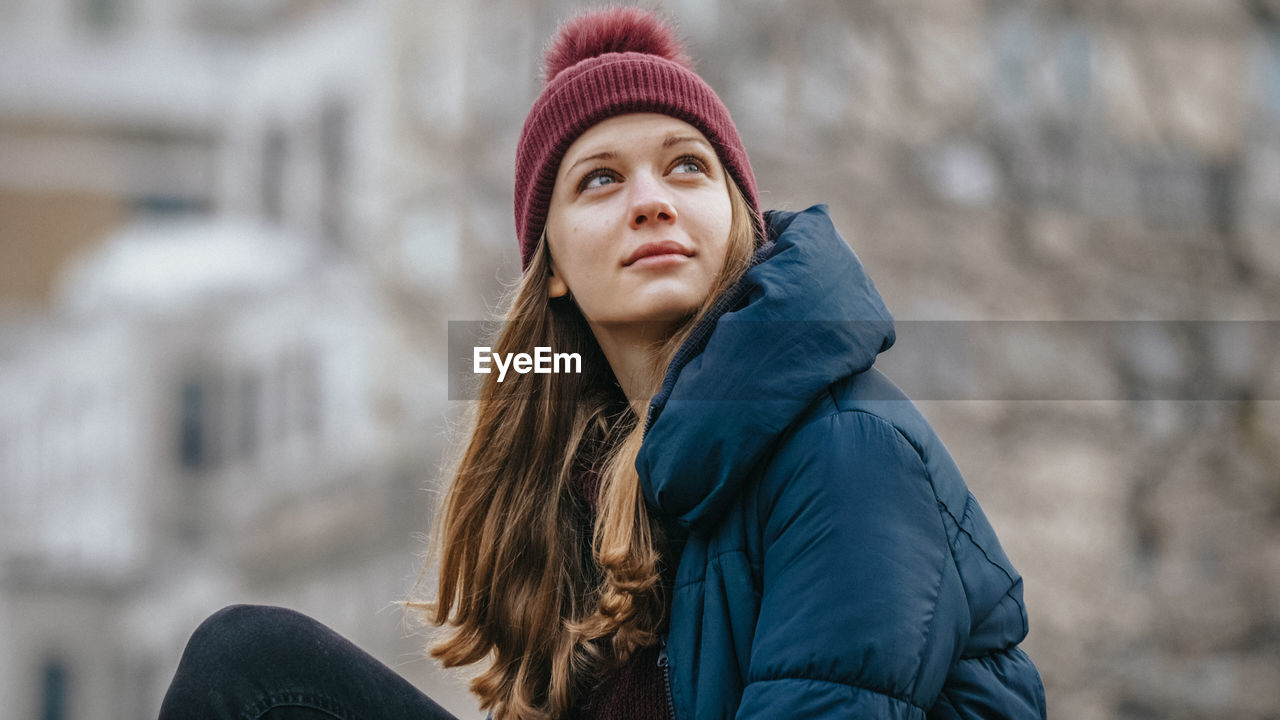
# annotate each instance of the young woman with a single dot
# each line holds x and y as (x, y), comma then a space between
(729, 512)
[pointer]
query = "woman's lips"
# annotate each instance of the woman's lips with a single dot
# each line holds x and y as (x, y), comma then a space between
(659, 253)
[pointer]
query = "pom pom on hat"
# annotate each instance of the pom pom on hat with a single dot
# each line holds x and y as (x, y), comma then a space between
(615, 30)
(612, 62)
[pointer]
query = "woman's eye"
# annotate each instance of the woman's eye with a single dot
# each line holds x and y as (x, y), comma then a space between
(596, 178)
(687, 165)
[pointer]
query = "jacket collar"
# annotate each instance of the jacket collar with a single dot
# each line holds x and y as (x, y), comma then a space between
(803, 317)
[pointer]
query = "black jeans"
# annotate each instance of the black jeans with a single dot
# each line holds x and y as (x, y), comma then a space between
(248, 662)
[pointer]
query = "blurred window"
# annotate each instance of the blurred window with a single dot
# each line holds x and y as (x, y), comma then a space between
(102, 17)
(294, 395)
(274, 154)
(203, 416)
(1222, 186)
(1172, 193)
(54, 691)
(1187, 193)
(334, 147)
(250, 413)
(8, 454)
(1076, 65)
(1013, 48)
(169, 205)
(10, 476)
(1271, 68)
(278, 399)
(193, 432)
(309, 396)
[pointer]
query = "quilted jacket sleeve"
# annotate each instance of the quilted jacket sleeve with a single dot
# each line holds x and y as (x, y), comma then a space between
(863, 611)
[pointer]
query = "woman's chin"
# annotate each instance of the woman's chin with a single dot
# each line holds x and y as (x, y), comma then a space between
(669, 314)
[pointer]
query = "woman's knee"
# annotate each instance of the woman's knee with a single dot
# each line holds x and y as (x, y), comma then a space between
(235, 653)
(251, 656)
(238, 633)
(215, 677)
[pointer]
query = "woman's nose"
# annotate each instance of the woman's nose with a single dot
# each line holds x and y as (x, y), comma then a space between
(650, 202)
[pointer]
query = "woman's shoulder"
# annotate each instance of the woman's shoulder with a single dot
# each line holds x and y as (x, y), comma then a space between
(865, 445)
(863, 426)
(871, 399)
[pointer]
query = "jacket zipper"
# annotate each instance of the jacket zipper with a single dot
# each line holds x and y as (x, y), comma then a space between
(664, 662)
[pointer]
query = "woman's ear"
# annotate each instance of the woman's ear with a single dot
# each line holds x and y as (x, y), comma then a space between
(555, 286)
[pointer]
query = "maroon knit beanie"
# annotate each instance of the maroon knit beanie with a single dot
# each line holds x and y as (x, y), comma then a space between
(605, 63)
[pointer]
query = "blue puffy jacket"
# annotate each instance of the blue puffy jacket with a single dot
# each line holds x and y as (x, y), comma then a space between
(833, 564)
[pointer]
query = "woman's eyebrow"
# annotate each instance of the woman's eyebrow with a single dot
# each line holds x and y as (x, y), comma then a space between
(595, 156)
(677, 139)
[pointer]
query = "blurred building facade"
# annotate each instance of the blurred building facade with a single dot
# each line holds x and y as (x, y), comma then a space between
(200, 401)
(231, 233)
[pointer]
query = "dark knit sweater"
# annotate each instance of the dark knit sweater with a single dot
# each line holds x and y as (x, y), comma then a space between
(638, 689)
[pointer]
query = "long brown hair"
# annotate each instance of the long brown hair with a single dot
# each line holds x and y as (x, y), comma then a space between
(521, 582)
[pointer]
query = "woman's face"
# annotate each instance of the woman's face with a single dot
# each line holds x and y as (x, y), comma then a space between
(639, 220)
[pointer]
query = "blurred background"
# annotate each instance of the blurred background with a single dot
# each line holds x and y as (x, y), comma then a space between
(233, 232)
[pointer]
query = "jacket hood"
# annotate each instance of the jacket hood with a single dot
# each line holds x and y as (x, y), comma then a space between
(804, 316)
